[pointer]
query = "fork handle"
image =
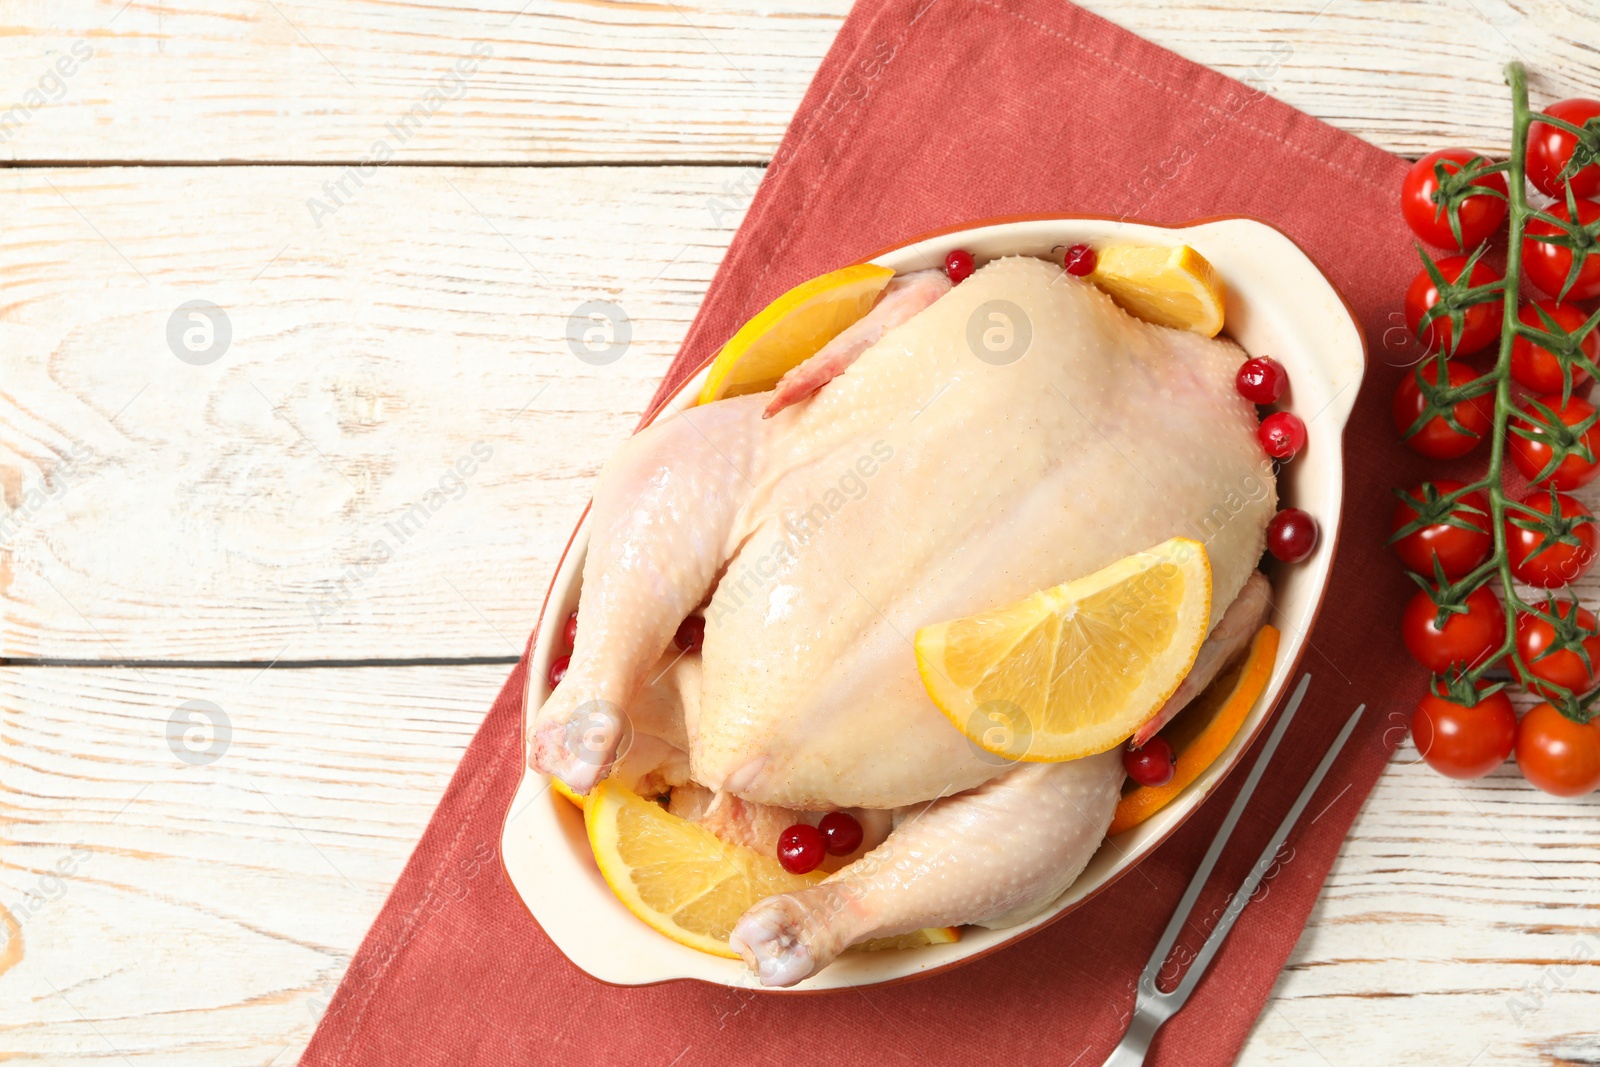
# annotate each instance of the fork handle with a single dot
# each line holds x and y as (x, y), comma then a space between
(1135, 1044)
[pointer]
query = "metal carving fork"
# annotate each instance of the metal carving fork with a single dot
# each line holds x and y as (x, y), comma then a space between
(1153, 1007)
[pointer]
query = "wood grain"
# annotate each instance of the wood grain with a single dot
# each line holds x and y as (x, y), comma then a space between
(202, 914)
(1459, 925)
(158, 911)
(284, 501)
(582, 80)
(213, 907)
(302, 496)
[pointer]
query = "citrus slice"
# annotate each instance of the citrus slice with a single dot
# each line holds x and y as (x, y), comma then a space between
(688, 883)
(1167, 286)
(932, 935)
(677, 876)
(1203, 729)
(563, 789)
(1075, 669)
(792, 329)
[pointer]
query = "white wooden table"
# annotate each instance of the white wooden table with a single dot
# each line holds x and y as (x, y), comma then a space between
(231, 527)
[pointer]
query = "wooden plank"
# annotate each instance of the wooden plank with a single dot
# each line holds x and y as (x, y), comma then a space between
(211, 908)
(1458, 926)
(183, 912)
(565, 80)
(717, 80)
(388, 455)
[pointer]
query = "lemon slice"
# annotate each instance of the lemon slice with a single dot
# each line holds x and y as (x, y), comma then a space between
(688, 883)
(1167, 286)
(792, 329)
(1075, 669)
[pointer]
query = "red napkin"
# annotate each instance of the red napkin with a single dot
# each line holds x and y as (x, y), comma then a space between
(928, 113)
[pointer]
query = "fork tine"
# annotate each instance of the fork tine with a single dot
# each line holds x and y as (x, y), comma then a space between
(1147, 980)
(1253, 879)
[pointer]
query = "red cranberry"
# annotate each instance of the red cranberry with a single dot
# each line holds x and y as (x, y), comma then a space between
(691, 634)
(800, 848)
(558, 670)
(959, 265)
(1282, 434)
(841, 832)
(569, 632)
(1153, 764)
(1262, 380)
(1079, 260)
(1291, 535)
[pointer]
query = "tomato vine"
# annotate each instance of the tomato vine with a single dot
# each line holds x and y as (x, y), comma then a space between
(1466, 684)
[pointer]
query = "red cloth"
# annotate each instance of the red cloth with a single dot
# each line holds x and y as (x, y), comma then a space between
(927, 114)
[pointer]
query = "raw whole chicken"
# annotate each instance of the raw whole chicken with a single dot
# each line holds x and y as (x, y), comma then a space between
(955, 450)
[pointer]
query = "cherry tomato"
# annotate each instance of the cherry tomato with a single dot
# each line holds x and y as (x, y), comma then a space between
(1283, 434)
(1467, 637)
(1564, 667)
(558, 670)
(1458, 548)
(1550, 150)
(1533, 455)
(1558, 755)
(1480, 323)
(1547, 265)
(1569, 555)
(569, 632)
(1480, 215)
(1536, 366)
(1436, 439)
(1463, 742)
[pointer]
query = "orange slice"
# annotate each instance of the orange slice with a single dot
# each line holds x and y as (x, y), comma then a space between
(932, 935)
(1204, 729)
(1175, 287)
(686, 882)
(792, 329)
(563, 789)
(1077, 668)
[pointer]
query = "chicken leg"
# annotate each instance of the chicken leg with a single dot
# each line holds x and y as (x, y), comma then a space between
(995, 856)
(663, 509)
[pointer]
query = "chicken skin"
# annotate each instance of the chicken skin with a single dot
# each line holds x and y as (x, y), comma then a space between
(964, 450)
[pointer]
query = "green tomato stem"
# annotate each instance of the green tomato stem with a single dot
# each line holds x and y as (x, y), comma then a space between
(1517, 187)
